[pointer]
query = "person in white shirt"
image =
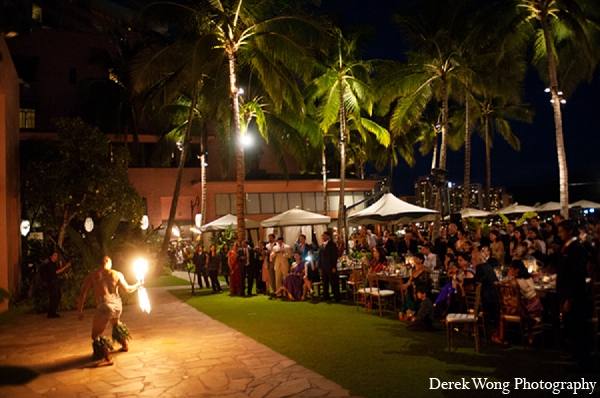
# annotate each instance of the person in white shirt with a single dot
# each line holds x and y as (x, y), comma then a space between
(280, 254)
(432, 261)
(270, 247)
(371, 240)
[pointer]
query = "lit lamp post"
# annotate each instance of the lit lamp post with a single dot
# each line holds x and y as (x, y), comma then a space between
(88, 224)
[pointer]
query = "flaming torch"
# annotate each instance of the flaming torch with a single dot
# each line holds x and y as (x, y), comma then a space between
(140, 267)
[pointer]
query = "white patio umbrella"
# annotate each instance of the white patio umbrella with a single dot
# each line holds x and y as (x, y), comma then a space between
(586, 204)
(516, 208)
(222, 223)
(550, 206)
(295, 222)
(389, 208)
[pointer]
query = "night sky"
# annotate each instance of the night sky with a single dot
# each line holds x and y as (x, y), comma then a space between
(532, 173)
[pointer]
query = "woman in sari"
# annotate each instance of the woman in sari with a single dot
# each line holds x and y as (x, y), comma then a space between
(421, 281)
(235, 284)
(293, 283)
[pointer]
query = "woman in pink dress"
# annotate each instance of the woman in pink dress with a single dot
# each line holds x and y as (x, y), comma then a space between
(235, 275)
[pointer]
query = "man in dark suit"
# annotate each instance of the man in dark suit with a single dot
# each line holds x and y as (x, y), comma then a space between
(572, 293)
(386, 243)
(246, 266)
(408, 244)
(327, 264)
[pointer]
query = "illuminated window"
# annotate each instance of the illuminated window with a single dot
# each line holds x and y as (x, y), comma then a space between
(27, 118)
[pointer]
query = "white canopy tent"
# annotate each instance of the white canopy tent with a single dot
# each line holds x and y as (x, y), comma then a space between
(516, 208)
(388, 208)
(227, 220)
(585, 204)
(550, 206)
(471, 213)
(294, 222)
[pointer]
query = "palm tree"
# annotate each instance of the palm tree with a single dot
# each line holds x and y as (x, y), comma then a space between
(436, 33)
(564, 34)
(341, 93)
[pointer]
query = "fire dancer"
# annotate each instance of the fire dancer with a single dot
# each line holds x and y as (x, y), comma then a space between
(105, 283)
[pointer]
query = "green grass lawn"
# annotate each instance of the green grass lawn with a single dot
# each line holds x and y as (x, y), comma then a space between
(162, 281)
(373, 356)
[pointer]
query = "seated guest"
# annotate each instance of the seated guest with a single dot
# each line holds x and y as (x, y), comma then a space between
(423, 319)
(531, 306)
(432, 261)
(461, 241)
(444, 301)
(293, 283)
(419, 278)
(407, 244)
(465, 267)
(448, 258)
(379, 263)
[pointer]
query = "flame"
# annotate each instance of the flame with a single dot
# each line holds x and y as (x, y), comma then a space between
(143, 299)
(140, 267)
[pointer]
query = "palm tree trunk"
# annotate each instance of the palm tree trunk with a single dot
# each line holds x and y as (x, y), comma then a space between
(391, 177)
(488, 167)
(324, 173)
(442, 165)
(239, 152)
(560, 143)
(467, 181)
(160, 260)
(203, 185)
(341, 223)
(435, 148)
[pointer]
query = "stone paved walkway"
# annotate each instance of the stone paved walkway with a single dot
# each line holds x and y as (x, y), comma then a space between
(176, 351)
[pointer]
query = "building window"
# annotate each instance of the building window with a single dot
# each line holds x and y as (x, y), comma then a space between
(27, 118)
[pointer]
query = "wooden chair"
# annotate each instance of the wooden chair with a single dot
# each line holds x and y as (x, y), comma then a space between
(510, 312)
(357, 281)
(376, 293)
(469, 318)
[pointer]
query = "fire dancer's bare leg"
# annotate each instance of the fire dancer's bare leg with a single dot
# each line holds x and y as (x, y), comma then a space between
(98, 326)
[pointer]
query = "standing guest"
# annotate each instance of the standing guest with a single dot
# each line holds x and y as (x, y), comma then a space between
(487, 277)
(281, 253)
(432, 261)
(257, 260)
(441, 243)
(452, 236)
(339, 244)
(235, 287)
(461, 241)
(371, 240)
(387, 243)
(497, 248)
(538, 246)
(264, 261)
(485, 250)
(416, 233)
(271, 259)
(301, 246)
(200, 262)
(312, 272)
(247, 262)
(50, 270)
(224, 262)
(408, 244)
(105, 283)
(507, 239)
(328, 267)
(571, 292)
(214, 263)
